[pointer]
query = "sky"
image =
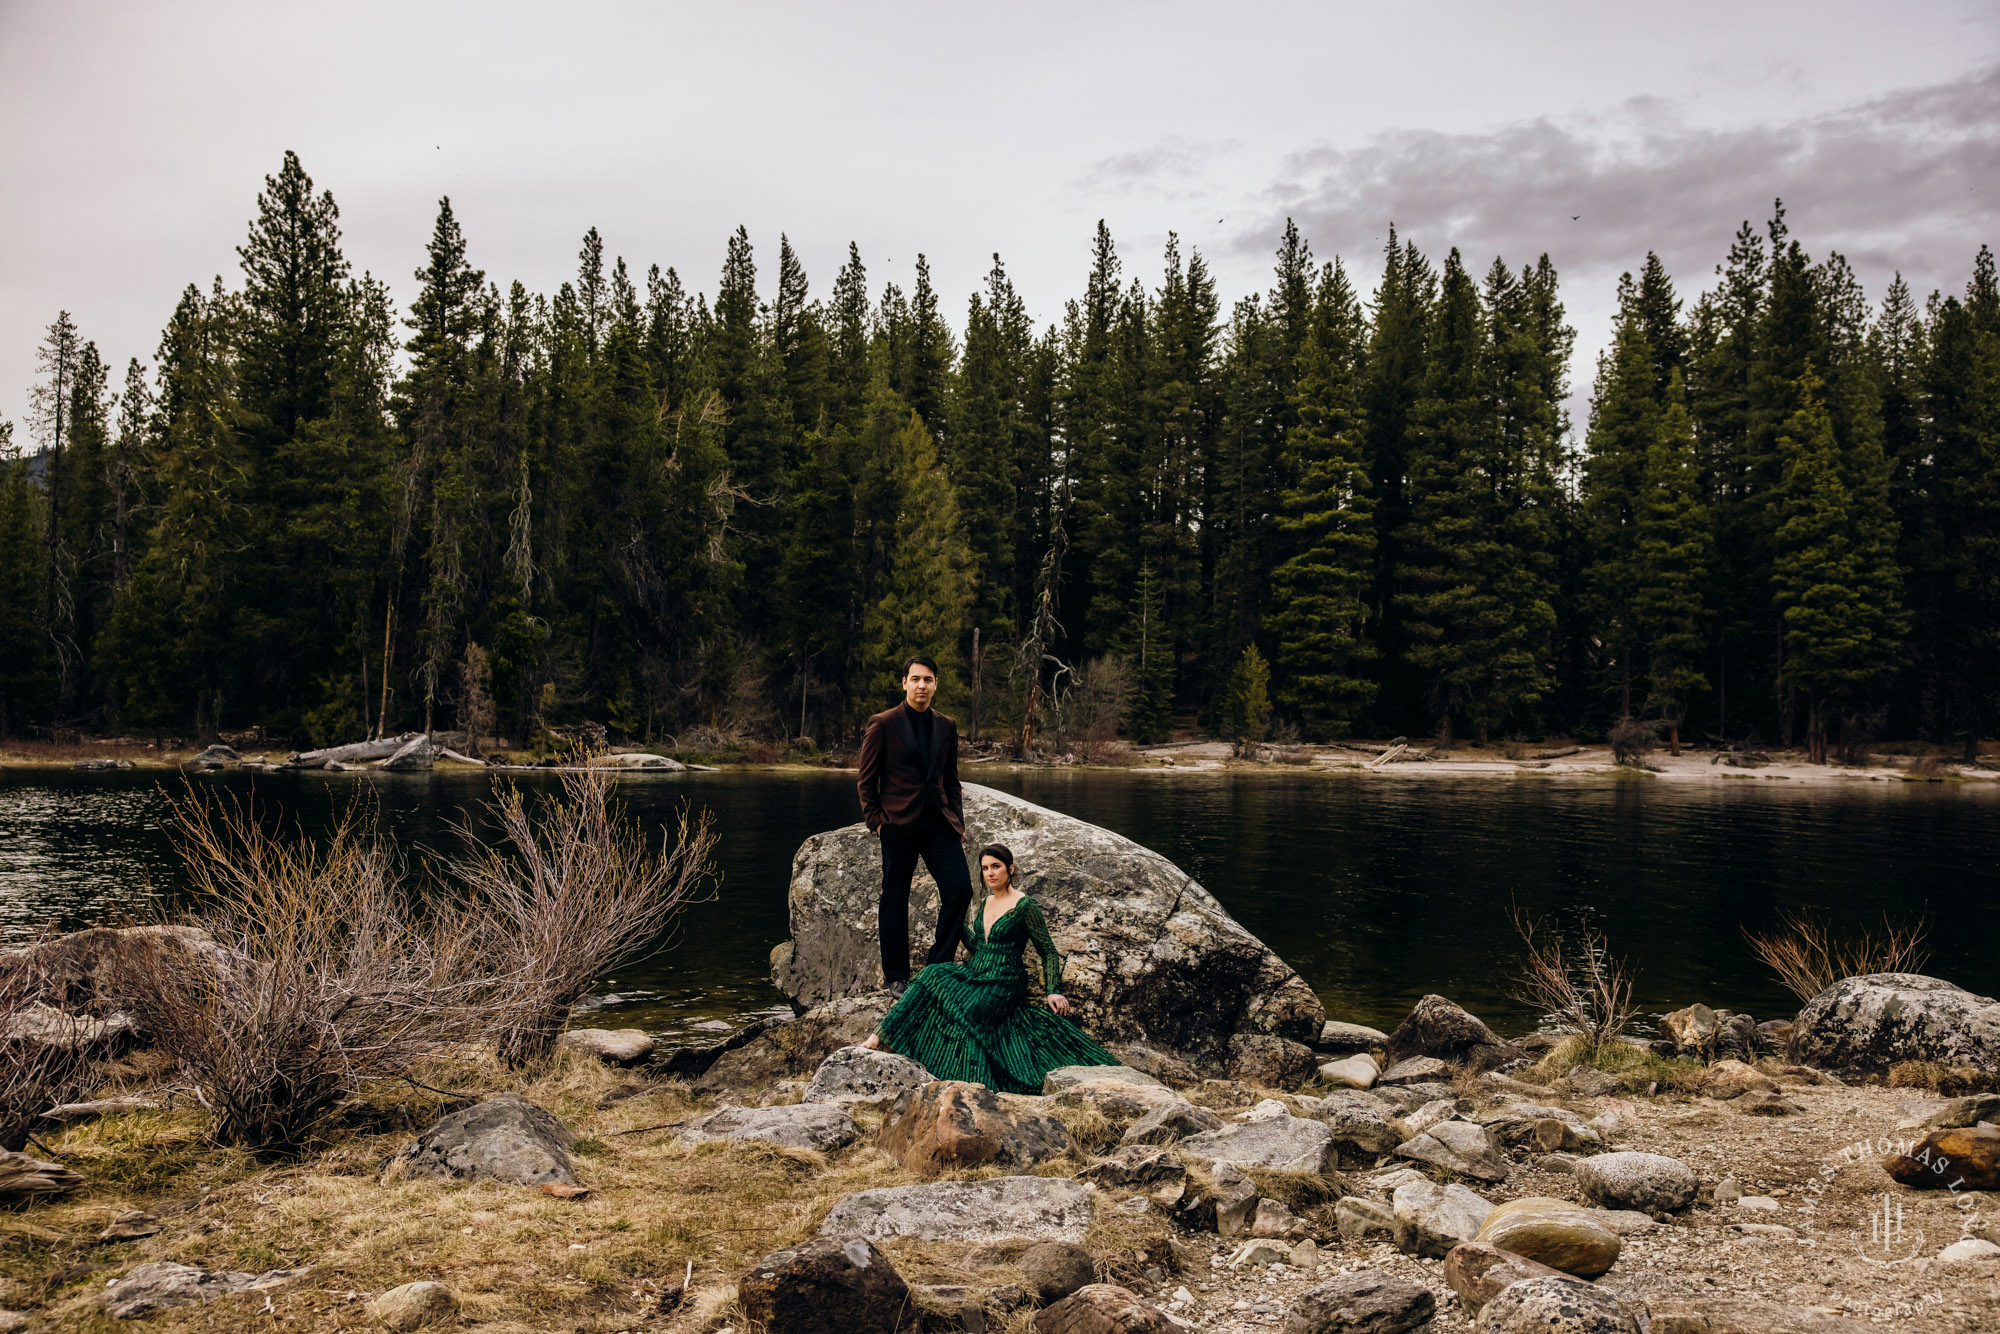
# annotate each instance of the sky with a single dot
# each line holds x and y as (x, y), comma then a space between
(138, 136)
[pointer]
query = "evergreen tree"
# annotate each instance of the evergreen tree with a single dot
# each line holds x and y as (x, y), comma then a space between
(1669, 568)
(294, 307)
(25, 677)
(1624, 427)
(1246, 700)
(928, 594)
(1318, 605)
(1147, 650)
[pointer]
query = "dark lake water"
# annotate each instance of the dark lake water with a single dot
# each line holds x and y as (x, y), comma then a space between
(1377, 891)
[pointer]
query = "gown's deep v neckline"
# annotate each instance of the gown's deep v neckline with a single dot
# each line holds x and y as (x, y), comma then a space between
(986, 928)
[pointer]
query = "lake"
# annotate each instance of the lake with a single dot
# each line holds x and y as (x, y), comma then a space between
(1376, 890)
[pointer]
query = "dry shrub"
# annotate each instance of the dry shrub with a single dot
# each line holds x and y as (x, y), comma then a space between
(1633, 740)
(1808, 958)
(1952, 1081)
(572, 890)
(1925, 769)
(1580, 989)
(46, 1052)
(1110, 751)
(340, 979)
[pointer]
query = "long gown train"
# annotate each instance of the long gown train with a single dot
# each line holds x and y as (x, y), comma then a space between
(973, 1021)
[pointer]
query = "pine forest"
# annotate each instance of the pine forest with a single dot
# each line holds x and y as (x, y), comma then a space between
(1318, 511)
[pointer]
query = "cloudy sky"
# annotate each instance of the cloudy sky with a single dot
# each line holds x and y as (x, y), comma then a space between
(139, 134)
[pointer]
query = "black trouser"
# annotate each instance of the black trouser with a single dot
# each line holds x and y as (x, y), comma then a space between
(944, 853)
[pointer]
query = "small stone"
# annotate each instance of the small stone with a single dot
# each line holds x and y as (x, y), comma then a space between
(12, 1322)
(1356, 1072)
(1479, 1272)
(506, 1138)
(1728, 1191)
(414, 1305)
(1273, 1219)
(1054, 1269)
(1767, 1104)
(130, 1226)
(1414, 1070)
(1362, 1219)
(1259, 1252)
(1590, 1082)
(1435, 1112)
(613, 1046)
(1461, 1147)
(1364, 1303)
(1436, 1218)
(1764, 1231)
(1958, 1159)
(1101, 1308)
(1336, 1036)
(1557, 1164)
(1304, 1256)
(800, 1125)
(827, 1285)
(1436, 1027)
(1758, 1203)
(1970, 1251)
(1636, 1181)
(1559, 1305)
(1171, 1122)
(1556, 1233)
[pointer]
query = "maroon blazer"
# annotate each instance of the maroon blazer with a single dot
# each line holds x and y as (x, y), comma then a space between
(894, 776)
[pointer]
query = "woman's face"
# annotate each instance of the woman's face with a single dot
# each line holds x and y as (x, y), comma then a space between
(995, 872)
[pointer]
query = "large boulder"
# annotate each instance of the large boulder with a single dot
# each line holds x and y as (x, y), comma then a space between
(1867, 1024)
(1151, 957)
(1269, 1138)
(1436, 1027)
(1478, 1272)
(864, 1076)
(506, 1138)
(826, 1285)
(948, 1124)
(995, 1209)
(1556, 1233)
(1431, 1219)
(1954, 1160)
(1561, 1305)
(1637, 1181)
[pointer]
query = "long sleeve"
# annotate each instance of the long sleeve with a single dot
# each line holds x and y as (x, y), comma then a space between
(869, 784)
(965, 934)
(1038, 935)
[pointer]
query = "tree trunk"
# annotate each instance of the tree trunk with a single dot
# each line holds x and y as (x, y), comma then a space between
(1673, 738)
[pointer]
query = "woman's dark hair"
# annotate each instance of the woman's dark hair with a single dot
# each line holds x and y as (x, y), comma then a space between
(1001, 853)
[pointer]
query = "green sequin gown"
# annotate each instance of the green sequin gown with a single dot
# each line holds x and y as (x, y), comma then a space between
(973, 1021)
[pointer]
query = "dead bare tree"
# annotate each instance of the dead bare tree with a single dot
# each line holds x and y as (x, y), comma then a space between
(1808, 958)
(331, 974)
(1580, 989)
(571, 889)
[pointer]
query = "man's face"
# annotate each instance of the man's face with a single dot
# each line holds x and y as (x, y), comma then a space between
(919, 684)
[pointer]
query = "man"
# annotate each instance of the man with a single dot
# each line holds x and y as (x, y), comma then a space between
(910, 798)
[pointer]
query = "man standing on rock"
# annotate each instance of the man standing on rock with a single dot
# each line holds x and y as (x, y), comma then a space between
(910, 797)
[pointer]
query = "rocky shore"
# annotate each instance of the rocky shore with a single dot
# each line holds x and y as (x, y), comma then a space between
(1254, 1166)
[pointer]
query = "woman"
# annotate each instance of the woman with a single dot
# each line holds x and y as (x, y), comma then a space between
(972, 1021)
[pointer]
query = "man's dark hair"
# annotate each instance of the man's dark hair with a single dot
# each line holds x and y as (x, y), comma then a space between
(919, 661)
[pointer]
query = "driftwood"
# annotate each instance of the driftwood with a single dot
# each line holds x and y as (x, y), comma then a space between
(83, 1111)
(21, 1175)
(1557, 754)
(414, 755)
(1387, 755)
(354, 752)
(447, 753)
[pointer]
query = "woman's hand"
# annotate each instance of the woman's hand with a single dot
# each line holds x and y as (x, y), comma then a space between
(1059, 1003)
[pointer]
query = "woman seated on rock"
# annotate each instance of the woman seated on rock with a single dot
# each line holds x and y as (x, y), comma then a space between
(972, 1020)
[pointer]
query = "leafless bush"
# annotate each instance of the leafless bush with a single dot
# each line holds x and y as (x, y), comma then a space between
(1633, 740)
(1808, 958)
(1108, 751)
(571, 890)
(1925, 768)
(1092, 707)
(45, 1050)
(337, 977)
(1579, 989)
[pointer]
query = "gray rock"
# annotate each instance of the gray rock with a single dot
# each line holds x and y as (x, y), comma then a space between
(613, 1046)
(1151, 957)
(1136, 1165)
(864, 1077)
(1870, 1023)
(802, 1125)
(1435, 1218)
(1414, 1070)
(506, 1138)
(1461, 1147)
(1964, 1113)
(1278, 1142)
(1433, 1113)
(1361, 1219)
(637, 760)
(1052, 1270)
(1066, 1077)
(995, 1209)
(1259, 1253)
(413, 1305)
(1556, 1306)
(1362, 1303)
(1101, 1308)
(1436, 1027)
(1336, 1036)
(1356, 1072)
(1590, 1082)
(13, 1322)
(1361, 1124)
(775, 1051)
(1636, 1181)
(1274, 1220)
(416, 755)
(827, 1285)
(162, 1283)
(1170, 1123)
(1233, 1198)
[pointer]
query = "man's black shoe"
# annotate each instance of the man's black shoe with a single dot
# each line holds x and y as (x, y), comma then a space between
(895, 988)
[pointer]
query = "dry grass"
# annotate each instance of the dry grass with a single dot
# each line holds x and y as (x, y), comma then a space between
(1808, 958)
(1635, 1067)
(1952, 1081)
(1580, 990)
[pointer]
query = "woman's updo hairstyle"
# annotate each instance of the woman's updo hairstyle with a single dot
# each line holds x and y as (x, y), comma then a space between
(1001, 853)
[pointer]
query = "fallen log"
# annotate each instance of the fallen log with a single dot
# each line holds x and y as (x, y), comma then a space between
(21, 1175)
(352, 753)
(83, 1111)
(1557, 754)
(1387, 756)
(447, 753)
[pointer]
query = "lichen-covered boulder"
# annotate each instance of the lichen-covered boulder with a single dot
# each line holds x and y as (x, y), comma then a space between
(506, 1138)
(995, 1209)
(826, 1285)
(864, 1076)
(1151, 957)
(1869, 1023)
(948, 1123)
(821, 1126)
(1637, 1181)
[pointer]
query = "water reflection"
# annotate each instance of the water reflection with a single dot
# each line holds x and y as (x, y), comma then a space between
(1377, 891)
